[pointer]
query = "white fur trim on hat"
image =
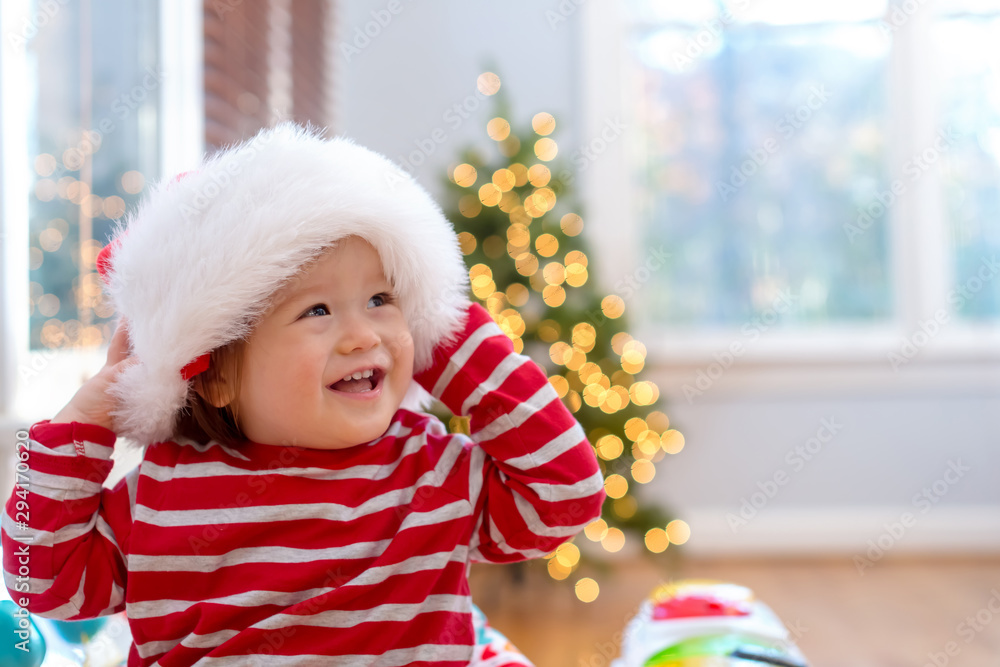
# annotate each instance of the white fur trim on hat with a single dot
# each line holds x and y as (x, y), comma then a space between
(201, 257)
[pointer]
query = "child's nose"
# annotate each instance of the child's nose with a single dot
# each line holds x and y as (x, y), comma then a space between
(357, 334)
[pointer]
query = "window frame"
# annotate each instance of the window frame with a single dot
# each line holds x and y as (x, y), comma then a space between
(35, 384)
(962, 356)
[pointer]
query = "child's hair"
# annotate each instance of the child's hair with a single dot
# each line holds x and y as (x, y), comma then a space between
(204, 421)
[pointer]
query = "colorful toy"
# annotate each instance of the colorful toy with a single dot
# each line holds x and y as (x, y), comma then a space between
(702, 623)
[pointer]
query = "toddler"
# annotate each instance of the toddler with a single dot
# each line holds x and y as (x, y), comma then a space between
(286, 309)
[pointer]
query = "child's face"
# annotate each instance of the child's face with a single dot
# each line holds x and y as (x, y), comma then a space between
(335, 319)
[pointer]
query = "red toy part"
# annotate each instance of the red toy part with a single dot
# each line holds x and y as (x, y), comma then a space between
(694, 606)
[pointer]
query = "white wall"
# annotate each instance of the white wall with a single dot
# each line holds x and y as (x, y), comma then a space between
(899, 434)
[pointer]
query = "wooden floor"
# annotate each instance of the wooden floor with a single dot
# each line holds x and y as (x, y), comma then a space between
(902, 613)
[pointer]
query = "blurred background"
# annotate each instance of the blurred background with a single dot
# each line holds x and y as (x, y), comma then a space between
(787, 219)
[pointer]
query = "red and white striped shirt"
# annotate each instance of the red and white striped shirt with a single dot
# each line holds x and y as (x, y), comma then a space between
(217, 553)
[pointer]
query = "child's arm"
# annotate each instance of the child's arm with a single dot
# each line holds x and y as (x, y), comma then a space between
(64, 536)
(541, 481)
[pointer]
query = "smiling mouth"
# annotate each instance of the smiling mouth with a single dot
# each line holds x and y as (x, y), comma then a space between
(352, 386)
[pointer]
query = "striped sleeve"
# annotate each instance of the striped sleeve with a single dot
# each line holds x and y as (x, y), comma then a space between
(63, 534)
(540, 481)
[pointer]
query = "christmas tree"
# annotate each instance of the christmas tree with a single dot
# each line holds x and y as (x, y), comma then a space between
(520, 232)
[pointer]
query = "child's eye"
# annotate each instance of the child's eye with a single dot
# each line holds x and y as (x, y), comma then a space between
(380, 299)
(317, 311)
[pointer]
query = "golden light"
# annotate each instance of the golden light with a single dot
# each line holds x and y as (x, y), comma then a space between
(576, 275)
(614, 540)
(114, 207)
(587, 590)
(504, 179)
(643, 471)
(648, 441)
(45, 164)
(546, 149)
(657, 540)
(465, 175)
(518, 216)
(526, 264)
(618, 342)
(625, 508)
(658, 421)
(615, 486)
(571, 224)
(547, 245)
(634, 428)
(613, 306)
(467, 242)
(554, 273)
(470, 206)
(568, 554)
(559, 353)
(672, 441)
(589, 372)
(644, 393)
(510, 146)
(549, 330)
(498, 129)
(519, 236)
(576, 257)
(610, 447)
(488, 83)
(539, 175)
(535, 206)
(511, 320)
(553, 295)
(584, 336)
(596, 530)
(573, 401)
(543, 123)
(517, 294)
(490, 194)
(622, 378)
(557, 570)
(678, 531)
(576, 359)
(520, 173)
(548, 196)
(133, 182)
(560, 384)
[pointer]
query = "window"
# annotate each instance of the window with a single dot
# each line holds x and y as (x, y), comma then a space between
(841, 158)
(99, 99)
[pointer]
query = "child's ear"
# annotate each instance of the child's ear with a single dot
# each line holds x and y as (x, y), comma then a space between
(216, 391)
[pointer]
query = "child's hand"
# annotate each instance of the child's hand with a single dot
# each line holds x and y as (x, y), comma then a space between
(93, 402)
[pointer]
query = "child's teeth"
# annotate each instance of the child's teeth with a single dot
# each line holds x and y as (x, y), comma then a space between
(360, 374)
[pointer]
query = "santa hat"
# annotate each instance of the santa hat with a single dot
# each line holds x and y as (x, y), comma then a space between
(194, 267)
